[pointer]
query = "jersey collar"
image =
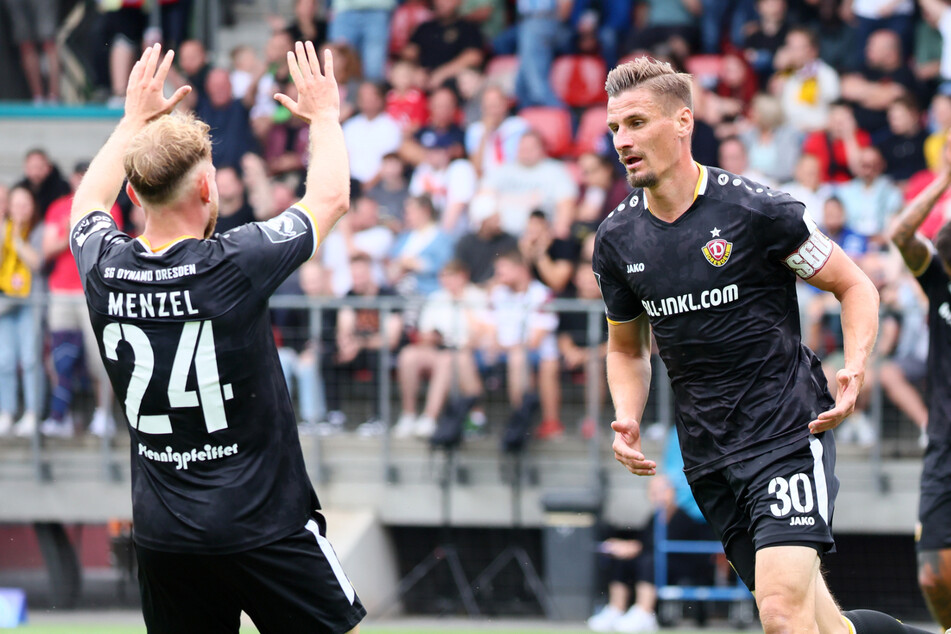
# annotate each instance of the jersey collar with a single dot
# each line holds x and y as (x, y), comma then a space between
(699, 189)
(165, 247)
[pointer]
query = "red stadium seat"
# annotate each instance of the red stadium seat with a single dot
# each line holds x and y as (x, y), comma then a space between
(554, 126)
(591, 130)
(578, 80)
(501, 70)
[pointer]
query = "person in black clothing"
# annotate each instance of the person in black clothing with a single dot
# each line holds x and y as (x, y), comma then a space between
(931, 265)
(479, 248)
(903, 147)
(445, 45)
(43, 179)
(707, 261)
(225, 517)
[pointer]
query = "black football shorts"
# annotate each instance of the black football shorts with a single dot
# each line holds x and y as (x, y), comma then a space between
(934, 507)
(783, 497)
(294, 585)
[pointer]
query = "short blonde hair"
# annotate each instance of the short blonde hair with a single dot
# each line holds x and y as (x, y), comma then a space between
(163, 153)
(647, 72)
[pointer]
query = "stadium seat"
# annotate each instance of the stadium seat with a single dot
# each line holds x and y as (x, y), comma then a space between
(501, 70)
(578, 80)
(591, 130)
(554, 126)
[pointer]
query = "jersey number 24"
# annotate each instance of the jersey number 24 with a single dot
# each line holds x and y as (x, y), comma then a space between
(196, 343)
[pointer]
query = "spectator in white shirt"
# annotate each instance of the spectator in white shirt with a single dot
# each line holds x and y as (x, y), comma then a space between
(370, 135)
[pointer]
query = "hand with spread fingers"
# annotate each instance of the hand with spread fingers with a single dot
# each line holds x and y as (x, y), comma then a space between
(145, 98)
(318, 96)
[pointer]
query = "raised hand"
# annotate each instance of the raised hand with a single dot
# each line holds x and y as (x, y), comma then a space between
(145, 98)
(318, 96)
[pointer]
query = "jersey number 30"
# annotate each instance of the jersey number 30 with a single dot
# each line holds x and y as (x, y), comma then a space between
(197, 342)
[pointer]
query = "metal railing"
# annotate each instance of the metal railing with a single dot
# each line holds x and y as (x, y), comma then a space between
(316, 309)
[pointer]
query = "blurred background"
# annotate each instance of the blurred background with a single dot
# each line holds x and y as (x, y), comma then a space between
(444, 349)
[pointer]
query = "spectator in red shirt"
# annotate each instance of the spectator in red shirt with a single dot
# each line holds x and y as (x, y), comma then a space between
(70, 329)
(405, 102)
(837, 147)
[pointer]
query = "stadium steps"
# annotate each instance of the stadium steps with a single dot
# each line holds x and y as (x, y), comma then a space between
(349, 475)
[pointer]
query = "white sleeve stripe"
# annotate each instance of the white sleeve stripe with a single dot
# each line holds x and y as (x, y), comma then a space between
(313, 224)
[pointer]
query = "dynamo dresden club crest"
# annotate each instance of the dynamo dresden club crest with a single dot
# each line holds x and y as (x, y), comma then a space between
(717, 251)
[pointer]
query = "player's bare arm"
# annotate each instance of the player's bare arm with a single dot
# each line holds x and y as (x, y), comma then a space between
(145, 101)
(859, 299)
(629, 377)
(327, 194)
(902, 231)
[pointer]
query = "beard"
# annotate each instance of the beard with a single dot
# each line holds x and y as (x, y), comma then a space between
(212, 219)
(642, 180)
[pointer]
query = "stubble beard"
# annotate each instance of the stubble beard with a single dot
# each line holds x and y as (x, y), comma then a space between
(644, 181)
(212, 220)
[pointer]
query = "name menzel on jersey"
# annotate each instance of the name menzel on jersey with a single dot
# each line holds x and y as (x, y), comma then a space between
(145, 305)
(686, 303)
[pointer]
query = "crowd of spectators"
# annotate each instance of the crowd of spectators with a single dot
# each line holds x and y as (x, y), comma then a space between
(481, 167)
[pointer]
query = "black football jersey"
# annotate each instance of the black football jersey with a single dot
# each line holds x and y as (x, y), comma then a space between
(937, 285)
(186, 340)
(719, 288)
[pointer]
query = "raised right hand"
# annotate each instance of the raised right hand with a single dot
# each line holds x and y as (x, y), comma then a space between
(627, 448)
(318, 96)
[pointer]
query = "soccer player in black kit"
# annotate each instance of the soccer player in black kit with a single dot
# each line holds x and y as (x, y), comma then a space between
(225, 517)
(708, 261)
(930, 265)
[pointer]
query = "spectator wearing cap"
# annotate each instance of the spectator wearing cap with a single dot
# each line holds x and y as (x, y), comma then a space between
(450, 183)
(533, 181)
(370, 135)
(493, 140)
(442, 124)
(445, 45)
(485, 242)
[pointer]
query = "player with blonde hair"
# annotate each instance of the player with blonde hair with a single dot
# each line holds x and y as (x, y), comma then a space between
(225, 518)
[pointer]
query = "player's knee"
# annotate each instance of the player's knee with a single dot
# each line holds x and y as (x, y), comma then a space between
(934, 585)
(779, 612)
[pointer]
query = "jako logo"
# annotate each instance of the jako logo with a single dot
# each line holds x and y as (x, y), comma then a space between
(802, 521)
(635, 268)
